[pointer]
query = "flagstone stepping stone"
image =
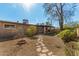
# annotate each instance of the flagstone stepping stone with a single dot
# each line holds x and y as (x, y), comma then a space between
(37, 43)
(38, 39)
(43, 45)
(38, 49)
(42, 49)
(50, 53)
(45, 50)
(40, 42)
(42, 54)
(38, 46)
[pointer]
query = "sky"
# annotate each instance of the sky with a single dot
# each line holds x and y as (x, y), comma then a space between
(19, 11)
(33, 12)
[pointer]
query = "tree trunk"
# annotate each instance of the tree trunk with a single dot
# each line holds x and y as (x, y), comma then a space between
(61, 24)
(61, 21)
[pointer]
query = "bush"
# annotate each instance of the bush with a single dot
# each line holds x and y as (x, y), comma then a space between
(31, 30)
(67, 35)
(72, 48)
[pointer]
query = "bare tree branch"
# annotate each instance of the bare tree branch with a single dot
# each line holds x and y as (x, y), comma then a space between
(60, 11)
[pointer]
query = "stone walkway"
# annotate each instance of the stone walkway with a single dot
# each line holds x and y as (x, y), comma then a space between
(41, 49)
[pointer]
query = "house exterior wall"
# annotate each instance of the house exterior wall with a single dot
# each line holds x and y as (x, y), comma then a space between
(19, 27)
(43, 29)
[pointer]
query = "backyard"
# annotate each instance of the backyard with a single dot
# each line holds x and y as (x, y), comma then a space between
(54, 31)
(54, 46)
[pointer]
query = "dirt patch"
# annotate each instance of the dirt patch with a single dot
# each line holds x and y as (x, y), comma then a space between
(11, 49)
(55, 44)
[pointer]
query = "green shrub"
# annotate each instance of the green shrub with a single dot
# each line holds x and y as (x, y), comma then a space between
(31, 30)
(67, 35)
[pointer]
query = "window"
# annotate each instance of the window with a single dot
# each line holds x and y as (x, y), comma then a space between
(9, 26)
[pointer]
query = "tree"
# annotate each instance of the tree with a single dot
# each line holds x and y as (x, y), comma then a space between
(59, 11)
(47, 23)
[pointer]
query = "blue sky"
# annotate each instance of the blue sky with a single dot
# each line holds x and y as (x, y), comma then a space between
(14, 12)
(18, 11)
